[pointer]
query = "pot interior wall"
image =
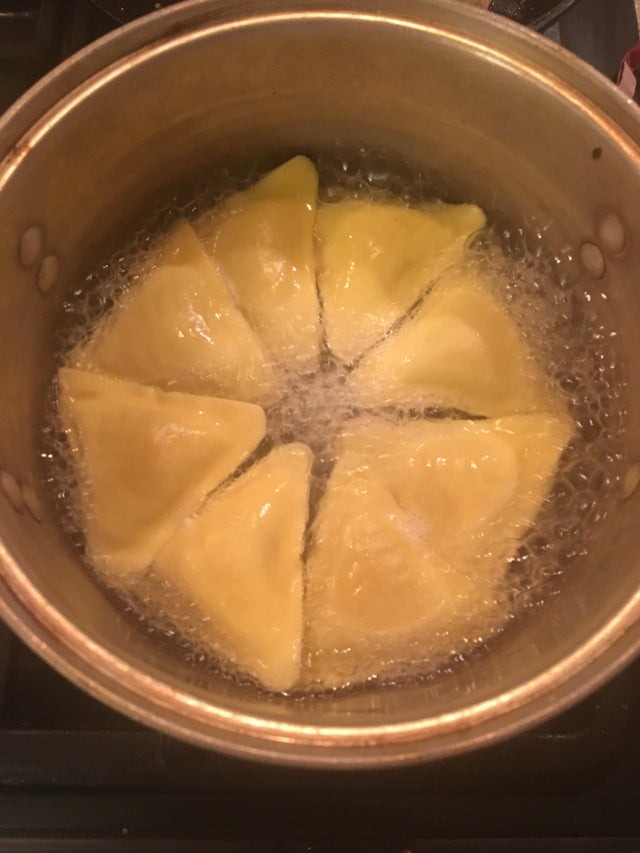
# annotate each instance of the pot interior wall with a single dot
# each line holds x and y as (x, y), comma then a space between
(502, 139)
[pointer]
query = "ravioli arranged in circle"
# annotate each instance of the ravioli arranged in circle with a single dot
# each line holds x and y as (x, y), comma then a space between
(377, 259)
(181, 330)
(262, 243)
(415, 530)
(240, 561)
(460, 350)
(290, 576)
(146, 459)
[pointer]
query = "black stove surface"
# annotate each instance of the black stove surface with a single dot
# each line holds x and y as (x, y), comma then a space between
(76, 776)
(70, 768)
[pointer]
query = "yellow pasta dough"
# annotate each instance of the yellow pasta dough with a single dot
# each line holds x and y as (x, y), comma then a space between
(261, 240)
(179, 329)
(146, 460)
(461, 350)
(414, 532)
(377, 258)
(415, 524)
(240, 561)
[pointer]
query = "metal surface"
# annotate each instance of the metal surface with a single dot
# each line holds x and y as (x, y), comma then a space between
(466, 94)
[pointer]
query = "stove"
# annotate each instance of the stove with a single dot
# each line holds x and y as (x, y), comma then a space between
(76, 776)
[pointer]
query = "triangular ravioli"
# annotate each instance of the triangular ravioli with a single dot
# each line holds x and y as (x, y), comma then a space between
(146, 460)
(180, 330)
(461, 350)
(413, 536)
(377, 258)
(240, 562)
(262, 242)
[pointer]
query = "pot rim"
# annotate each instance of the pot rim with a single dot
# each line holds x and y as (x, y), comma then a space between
(153, 701)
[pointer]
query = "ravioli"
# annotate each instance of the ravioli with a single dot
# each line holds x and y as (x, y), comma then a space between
(461, 350)
(413, 535)
(261, 240)
(376, 259)
(146, 459)
(180, 330)
(240, 562)
(406, 560)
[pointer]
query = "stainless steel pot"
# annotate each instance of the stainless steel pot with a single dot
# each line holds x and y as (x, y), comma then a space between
(519, 125)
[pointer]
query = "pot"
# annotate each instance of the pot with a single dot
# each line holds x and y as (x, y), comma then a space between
(516, 123)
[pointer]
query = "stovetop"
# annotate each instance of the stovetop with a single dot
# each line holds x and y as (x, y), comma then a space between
(77, 776)
(72, 768)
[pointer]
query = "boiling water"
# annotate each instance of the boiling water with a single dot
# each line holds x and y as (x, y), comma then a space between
(561, 314)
